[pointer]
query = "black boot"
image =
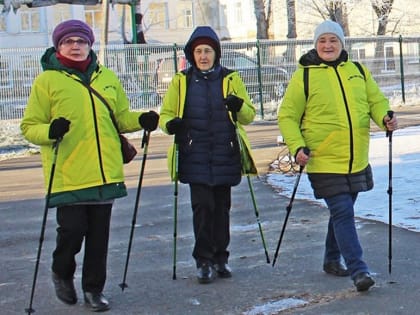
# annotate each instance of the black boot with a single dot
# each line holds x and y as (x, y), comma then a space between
(223, 270)
(336, 268)
(64, 289)
(363, 281)
(96, 301)
(205, 273)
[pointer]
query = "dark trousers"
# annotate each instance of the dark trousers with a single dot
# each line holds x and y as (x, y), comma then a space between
(78, 223)
(342, 236)
(211, 207)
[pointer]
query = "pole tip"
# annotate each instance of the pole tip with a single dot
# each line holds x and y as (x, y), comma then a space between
(123, 286)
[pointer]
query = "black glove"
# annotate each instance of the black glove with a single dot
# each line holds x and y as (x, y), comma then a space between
(149, 121)
(233, 103)
(58, 128)
(175, 126)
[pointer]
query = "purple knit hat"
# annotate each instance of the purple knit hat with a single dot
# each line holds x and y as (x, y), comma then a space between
(71, 28)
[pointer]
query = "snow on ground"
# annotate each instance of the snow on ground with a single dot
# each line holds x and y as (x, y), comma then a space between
(374, 204)
(12, 143)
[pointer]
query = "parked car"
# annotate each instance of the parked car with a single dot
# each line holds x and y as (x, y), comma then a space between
(144, 100)
(273, 84)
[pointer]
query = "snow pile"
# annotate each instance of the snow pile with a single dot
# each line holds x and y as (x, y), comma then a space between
(374, 204)
(12, 143)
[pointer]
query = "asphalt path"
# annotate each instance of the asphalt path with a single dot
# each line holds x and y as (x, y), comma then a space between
(296, 284)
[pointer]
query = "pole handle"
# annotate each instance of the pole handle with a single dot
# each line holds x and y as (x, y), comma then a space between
(145, 138)
(234, 116)
(307, 152)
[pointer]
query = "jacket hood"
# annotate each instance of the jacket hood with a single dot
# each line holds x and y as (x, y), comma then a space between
(202, 31)
(49, 61)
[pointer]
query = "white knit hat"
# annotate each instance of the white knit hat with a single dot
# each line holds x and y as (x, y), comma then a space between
(331, 27)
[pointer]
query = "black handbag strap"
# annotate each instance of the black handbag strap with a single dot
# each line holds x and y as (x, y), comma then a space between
(103, 100)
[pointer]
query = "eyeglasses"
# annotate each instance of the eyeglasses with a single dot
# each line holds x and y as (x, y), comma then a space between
(71, 42)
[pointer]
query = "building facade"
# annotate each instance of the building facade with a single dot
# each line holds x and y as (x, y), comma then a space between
(172, 21)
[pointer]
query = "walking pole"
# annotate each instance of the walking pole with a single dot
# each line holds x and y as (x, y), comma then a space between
(389, 135)
(144, 145)
(289, 207)
(251, 190)
(175, 178)
(29, 309)
(175, 209)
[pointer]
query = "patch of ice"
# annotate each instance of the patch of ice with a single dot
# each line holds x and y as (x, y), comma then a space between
(271, 308)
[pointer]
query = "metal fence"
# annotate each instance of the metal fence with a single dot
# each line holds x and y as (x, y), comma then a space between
(265, 66)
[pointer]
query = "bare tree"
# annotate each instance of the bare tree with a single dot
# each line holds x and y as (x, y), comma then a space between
(290, 53)
(263, 16)
(382, 9)
(335, 10)
(291, 18)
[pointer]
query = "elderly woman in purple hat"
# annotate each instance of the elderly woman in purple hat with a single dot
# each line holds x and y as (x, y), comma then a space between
(68, 104)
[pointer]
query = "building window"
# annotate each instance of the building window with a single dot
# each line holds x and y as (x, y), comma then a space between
(2, 23)
(237, 11)
(223, 15)
(413, 52)
(185, 14)
(93, 16)
(157, 15)
(358, 52)
(29, 21)
(389, 59)
(188, 18)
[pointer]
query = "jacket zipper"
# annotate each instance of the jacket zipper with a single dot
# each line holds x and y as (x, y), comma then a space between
(349, 121)
(98, 144)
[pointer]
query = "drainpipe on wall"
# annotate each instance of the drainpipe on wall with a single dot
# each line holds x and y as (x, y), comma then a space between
(104, 34)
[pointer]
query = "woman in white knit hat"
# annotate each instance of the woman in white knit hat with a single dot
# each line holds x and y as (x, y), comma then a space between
(327, 109)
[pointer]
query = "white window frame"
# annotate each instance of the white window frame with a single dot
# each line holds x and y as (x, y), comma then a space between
(237, 13)
(413, 53)
(188, 19)
(389, 64)
(33, 17)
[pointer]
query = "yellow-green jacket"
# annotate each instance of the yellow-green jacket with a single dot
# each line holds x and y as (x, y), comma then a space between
(89, 163)
(173, 106)
(334, 122)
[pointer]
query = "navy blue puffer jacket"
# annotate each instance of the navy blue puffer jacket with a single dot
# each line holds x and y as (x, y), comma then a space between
(208, 150)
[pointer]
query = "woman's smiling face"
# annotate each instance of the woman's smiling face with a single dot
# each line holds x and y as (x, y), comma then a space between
(329, 47)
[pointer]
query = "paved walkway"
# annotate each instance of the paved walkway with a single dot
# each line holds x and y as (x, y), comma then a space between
(296, 284)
